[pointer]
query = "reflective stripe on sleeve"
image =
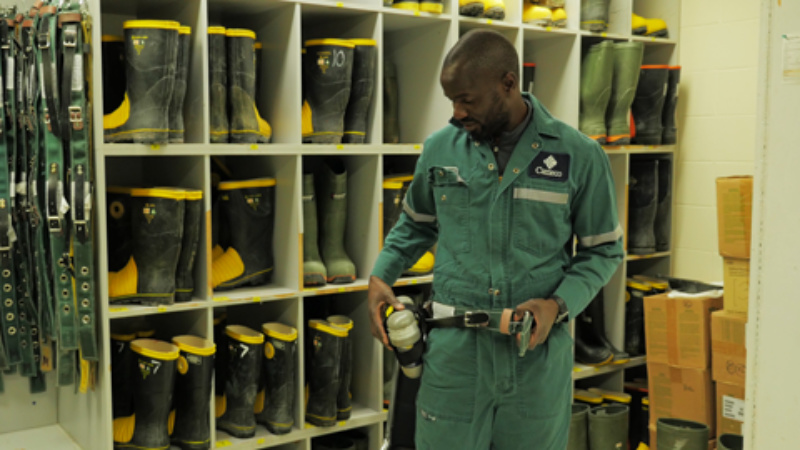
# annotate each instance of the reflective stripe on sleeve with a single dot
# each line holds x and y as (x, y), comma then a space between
(417, 217)
(597, 239)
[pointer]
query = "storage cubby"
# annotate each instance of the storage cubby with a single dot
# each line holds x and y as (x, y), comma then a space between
(554, 82)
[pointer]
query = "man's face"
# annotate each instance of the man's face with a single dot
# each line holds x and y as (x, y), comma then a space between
(478, 100)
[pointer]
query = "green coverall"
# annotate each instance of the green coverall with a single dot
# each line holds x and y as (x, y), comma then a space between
(502, 241)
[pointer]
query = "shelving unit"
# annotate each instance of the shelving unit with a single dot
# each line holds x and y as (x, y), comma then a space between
(417, 43)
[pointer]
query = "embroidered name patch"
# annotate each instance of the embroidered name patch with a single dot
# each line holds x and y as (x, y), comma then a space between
(550, 166)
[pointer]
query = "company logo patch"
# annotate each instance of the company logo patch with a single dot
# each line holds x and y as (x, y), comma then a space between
(550, 166)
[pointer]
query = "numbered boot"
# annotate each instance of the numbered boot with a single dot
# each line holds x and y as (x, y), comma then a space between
(597, 72)
(157, 224)
(120, 233)
(278, 378)
(234, 411)
(683, 434)
(246, 124)
(217, 85)
(627, 59)
(344, 404)
(663, 221)
(365, 58)
(642, 206)
(648, 105)
(333, 221)
(324, 375)
(314, 273)
(192, 219)
(150, 60)
(594, 15)
(153, 378)
(192, 393)
(579, 428)
(608, 427)
(327, 80)
(113, 72)
(176, 128)
(248, 210)
(669, 133)
(122, 360)
(391, 104)
(729, 441)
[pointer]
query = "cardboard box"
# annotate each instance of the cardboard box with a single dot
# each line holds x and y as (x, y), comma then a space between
(728, 352)
(734, 215)
(678, 330)
(681, 393)
(736, 279)
(730, 408)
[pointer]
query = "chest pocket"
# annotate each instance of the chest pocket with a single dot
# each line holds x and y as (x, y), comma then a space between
(541, 216)
(451, 194)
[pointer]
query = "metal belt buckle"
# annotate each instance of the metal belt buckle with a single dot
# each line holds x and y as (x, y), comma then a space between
(468, 319)
(70, 37)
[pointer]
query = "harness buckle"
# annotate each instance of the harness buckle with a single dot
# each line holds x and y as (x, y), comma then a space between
(70, 37)
(43, 41)
(76, 117)
(468, 319)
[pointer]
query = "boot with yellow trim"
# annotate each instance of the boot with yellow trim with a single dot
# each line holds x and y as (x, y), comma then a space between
(365, 57)
(234, 411)
(150, 60)
(246, 124)
(314, 272)
(579, 427)
(221, 358)
(431, 6)
(594, 15)
(119, 231)
(176, 128)
(153, 378)
(157, 225)
(559, 17)
(536, 15)
(333, 222)
(323, 377)
(494, 9)
(275, 401)
(192, 220)
(394, 189)
(597, 71)
(327, 80)
(248, 209)
(627, 59)
(192, 394)
(471, 8)
(641, 26)
(635, 292)
(122, 365)
(113, 72)
(217, 85)
(344, 399)
(407, 5)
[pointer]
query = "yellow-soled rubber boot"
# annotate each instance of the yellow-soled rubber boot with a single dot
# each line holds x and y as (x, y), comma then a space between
(193, 392)
(278, 378)
(217, 85)
(431, 6)
(365, 60)
(245, 353)
(648, 27)
(559, 17)
(246, 124)
(327, 79)
(536, 15)
(176, 127)
(494, 9)
(471, 8)
(408, 5)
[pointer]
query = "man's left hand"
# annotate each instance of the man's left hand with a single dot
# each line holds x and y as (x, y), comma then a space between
(544, 313)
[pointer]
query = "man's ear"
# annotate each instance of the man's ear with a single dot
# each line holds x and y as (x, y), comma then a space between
(509, 82)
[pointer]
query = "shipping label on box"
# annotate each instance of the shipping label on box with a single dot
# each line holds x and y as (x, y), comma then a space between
(681, 393)
(728, 352)
(736, 278)
(730, 408)
(734, 215)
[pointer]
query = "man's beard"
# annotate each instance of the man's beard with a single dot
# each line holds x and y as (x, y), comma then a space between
(490, 131)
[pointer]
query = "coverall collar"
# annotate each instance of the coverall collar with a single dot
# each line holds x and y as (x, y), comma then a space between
(543, 122)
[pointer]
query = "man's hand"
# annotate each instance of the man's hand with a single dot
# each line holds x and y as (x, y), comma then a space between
(544, 313)
(379, 297)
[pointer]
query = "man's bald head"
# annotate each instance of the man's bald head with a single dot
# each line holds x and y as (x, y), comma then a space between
(484, 53)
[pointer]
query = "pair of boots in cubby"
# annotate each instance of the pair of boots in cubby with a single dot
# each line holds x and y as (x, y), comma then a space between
(428, 6)
(343, 440)
(232, 82)
(338, 84)
(600, 420)
(649, 205)
(544, 13)
(329, 369)
(394, 191)
(255, 377)
(161, 391)
(594, 17)
(145, 77)
(153, 237)
(325, 259)
(489, 9)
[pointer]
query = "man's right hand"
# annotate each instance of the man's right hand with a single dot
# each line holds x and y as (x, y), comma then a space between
(379, 297)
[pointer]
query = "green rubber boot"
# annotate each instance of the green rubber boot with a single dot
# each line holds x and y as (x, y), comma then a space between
(246, 124)
(608, 427)
(275, 402)
(627, 60)
(314, 273)
(176, 128)
(597, 72)
(333, 220)
(677, 434)
(217, 85)
(193, 393)
(594, 15)
(365, 58)
(327, 79)
(729, 441)
(235, 410)
(578, 428)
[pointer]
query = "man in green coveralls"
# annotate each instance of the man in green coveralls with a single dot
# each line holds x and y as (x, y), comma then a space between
(506, 189)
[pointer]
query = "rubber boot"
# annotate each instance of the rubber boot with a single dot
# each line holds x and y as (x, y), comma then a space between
(248, 208)
(596, 311)
(150, 59)
(365, 57)
(118, 220)
(332, 210)
(590, 347)
(193, 393)
(278, 377)
(221, 359)
(235, 411)
(674, 434)
(217, 85)
(648, 27)
(669, 134)
(157, 223)
(192, 219)
(391, 104)
(245, 123)
(176, 128)
(642, 206)
(627, 60)
(663, 220)
(393, 194)
(635, 293)
(579, 428)
(471, 8)
(153, 377)
(333, 442)
(431, 6)
(122, 360)
(344, 404)
(528, 76)
(258, 49)
(314, 273)
(594, 15)
(327, 79)
(536, 15)
(608, 427)
(494, 9)
(559, 17)
(729, 441)
(597, 73)
(359, 438)
(323, 378)
(407, 5)
(648, 105)
(113, 72)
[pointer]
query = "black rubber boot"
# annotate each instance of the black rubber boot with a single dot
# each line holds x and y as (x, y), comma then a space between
(193, 216)
(150, 60)
(248, 208)
(333, 221)
(314, 272)
(153, 377)
(594, 15)
(642, 206)
(157, 223)
(669, 136)
(326, 341)
(221, 365)
(528, 77)
(608, 427)
(663, 221)
(235, 412)
(246, 124)
(579, 428)
(193, 393)
(122, 360)
(634, 316)
(365, 58)
(118, 220)
(217, 85)
(648, 105)
(336, 441)
(278, 378)
(327, 78)
(359, 438)
(681, 434)
(391, 104)
(344, 403)
(729, 441)
(176, 128)
(590, 347)
(596, 311)
(393, 194)
(113, 73)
